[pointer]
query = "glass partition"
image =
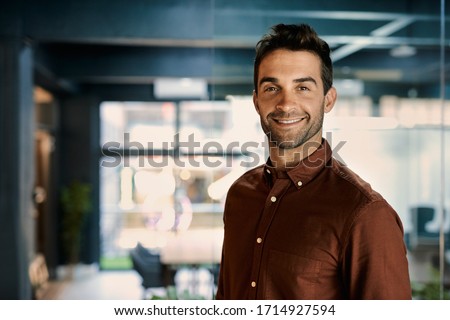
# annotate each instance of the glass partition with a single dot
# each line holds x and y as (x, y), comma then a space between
(392, 117)
(169, 197)
(167, 165)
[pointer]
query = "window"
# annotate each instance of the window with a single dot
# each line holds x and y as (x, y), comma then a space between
(165, 173)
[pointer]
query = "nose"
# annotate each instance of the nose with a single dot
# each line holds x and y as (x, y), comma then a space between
(286, 102)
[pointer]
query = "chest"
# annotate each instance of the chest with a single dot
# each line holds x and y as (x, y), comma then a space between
(284, 218)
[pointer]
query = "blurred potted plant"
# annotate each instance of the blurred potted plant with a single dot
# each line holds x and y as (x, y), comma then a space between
(429, 290)
(76, 205)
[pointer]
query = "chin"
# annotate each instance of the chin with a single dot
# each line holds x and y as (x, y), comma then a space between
(288, 145)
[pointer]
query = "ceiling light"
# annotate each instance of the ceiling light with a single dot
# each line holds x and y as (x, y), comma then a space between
(349, 87)
(179, 88)
(403, 51)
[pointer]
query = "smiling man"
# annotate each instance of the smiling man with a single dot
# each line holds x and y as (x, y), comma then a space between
(304, 226)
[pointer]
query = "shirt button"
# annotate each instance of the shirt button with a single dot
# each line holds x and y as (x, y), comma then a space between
(253, 284)
(259, 240)
(273, 199)
(268, 171)
(299, 183)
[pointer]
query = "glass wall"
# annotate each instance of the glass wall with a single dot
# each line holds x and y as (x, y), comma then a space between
(167, 165)
(392, 117)
(400, 153)
(165, 172)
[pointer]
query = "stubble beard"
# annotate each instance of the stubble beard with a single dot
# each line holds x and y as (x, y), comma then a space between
(289, 140)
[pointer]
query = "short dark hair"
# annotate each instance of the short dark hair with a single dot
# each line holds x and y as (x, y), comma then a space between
(295, 37)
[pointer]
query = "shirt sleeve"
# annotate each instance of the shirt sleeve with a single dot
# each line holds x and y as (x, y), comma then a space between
(220, 294)
(375, 264)
(220, 283)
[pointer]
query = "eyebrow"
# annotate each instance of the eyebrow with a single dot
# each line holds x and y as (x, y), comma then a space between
(299, 80)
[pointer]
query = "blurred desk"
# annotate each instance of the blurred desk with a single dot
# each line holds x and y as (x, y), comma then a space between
(188, 255)
(193, 247)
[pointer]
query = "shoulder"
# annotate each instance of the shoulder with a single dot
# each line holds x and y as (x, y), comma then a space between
(249, 178)
(350, 182)
(370, 207)
(248, 188)
(365, 203)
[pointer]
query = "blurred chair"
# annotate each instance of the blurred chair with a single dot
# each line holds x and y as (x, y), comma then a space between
(148, 266)
(425, 233)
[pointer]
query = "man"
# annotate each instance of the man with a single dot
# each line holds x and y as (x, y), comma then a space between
(304, 226)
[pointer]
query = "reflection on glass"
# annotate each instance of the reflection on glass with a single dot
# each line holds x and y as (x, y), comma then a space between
(398, 152)
(154, 206)
(220, 126)
(145, 125)
(174, 204)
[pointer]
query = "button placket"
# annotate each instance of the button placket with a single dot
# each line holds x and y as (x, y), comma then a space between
(273, 199)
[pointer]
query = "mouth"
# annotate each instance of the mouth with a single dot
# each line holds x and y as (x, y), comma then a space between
(288, 121)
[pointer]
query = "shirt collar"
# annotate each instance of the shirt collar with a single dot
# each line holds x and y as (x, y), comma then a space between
(305, 171)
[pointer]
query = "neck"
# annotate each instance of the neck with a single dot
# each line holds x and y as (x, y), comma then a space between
(289, 158)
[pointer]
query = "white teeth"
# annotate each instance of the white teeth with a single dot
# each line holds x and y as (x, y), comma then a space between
(288, 121)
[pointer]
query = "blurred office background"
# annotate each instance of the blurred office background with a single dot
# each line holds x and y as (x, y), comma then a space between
(141, 112)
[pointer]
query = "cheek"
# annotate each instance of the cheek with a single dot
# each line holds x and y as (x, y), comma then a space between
(316, 106)
(261, 108)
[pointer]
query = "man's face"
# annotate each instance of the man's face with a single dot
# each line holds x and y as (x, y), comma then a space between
(290, 99)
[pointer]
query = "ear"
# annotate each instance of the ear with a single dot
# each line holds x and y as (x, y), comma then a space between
(330, 99)
(255, 101)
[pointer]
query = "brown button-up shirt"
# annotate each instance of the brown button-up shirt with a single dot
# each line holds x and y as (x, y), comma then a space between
(317, 231)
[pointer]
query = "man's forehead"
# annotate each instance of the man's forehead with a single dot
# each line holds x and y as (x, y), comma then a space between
(290, 59)
(295, 64)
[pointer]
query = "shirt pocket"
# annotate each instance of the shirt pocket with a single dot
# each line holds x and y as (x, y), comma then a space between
(290, 276)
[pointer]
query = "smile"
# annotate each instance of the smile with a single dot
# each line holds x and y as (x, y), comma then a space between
(288, 121)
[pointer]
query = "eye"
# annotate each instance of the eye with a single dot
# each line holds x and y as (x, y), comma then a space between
(303, 88)
(270, 89)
